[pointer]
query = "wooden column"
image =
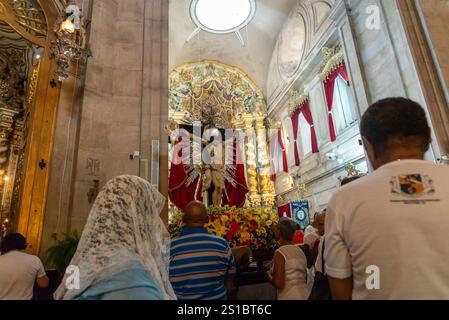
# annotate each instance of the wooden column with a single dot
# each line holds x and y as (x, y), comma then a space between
(39, 143)
(251, 160)
(263, 158)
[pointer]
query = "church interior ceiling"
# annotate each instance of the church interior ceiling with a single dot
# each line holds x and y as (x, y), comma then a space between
(306, 24)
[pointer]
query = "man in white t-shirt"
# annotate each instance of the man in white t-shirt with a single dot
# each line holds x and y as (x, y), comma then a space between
(18, 270)
(386, 233)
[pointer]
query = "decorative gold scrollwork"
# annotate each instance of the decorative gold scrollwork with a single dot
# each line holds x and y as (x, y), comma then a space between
(297, 100)
(213, 92)
(333, 59)
(29, 14)
(33, 85)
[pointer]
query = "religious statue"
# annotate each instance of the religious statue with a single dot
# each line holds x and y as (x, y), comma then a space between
(214, 173)
(214, 97)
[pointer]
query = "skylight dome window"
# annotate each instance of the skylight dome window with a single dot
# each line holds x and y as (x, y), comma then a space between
(222, 16)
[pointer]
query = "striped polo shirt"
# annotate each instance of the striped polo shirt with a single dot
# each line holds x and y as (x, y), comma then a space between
(199, 264)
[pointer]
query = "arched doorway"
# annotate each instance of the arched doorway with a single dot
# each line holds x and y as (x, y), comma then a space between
(28, 112)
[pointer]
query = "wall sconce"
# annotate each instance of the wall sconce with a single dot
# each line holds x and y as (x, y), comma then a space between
(331, 156)
(70, 41)
(334, 156)
(445, 159)
(37, 54)
(93, 191)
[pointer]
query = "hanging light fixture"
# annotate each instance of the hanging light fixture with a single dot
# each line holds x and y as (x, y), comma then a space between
(70, 43)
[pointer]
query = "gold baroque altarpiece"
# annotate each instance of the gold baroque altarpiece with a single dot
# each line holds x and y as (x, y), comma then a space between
(221, 96)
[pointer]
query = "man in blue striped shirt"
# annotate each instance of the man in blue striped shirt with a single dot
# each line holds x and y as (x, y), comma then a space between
(201, 264)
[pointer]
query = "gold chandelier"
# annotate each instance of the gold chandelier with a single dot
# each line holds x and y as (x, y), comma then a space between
(70, 44)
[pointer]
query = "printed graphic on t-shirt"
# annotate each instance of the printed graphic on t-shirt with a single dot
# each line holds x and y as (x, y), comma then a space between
(413, 187)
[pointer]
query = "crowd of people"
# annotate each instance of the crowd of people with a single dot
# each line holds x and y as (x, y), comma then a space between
(382, 236)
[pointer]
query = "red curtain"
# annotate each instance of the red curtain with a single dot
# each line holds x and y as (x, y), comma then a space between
(236, 196)
(285, 210)
(295, 124)
(180, 194)
(305, 110)
(275, 142)
(284, 152)
(308, 116)
(272, 157)
(329, 85)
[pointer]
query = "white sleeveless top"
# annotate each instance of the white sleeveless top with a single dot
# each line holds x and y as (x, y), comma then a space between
(295, 274)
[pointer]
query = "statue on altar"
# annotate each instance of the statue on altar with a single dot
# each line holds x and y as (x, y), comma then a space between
(213, 180)
(216, 97)
(214, 174)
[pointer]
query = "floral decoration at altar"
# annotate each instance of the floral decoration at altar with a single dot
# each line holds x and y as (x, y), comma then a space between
(250, 227)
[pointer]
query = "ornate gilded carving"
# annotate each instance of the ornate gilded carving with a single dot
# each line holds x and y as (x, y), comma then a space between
(252, 179)
(12, 80)
(301, 190)
(251, 160)
(12, 103)
(352, 171)
(29, 14)
(8, 155)
(255, 200)
(266, 184)
(19, 168)
(221, 96)
(333, 59)
(18, 83)
(213, 92)
(269, 200)
(33, 85)
(297, 100)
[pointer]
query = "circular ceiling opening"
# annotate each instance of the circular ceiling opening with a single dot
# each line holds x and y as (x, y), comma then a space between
(222, 16)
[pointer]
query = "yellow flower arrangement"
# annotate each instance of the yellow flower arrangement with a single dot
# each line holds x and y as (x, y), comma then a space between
(249, 227)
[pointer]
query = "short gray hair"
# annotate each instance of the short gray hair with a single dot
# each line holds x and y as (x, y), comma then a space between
(287, 228)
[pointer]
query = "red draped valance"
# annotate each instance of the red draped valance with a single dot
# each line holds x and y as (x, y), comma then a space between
(329, 85)
(305, 110)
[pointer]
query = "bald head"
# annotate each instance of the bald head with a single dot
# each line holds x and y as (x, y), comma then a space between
(195, 215)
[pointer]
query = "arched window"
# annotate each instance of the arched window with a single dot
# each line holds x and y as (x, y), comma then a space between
(343, 107)
(304, 136)
(289, 140)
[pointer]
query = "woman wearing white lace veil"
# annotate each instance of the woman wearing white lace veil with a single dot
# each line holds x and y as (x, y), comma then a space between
(123, 252)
